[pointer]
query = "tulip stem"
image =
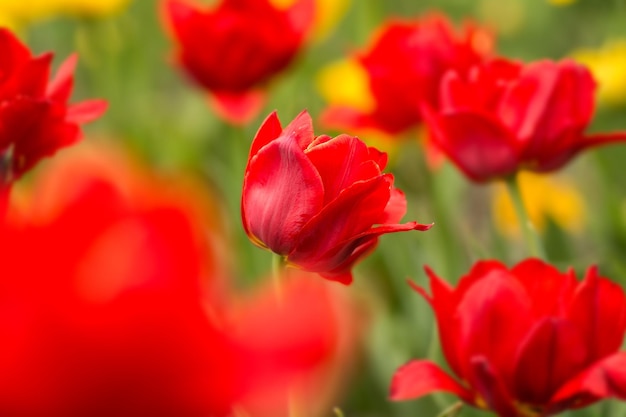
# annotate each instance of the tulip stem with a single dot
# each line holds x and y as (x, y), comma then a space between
(452, 411)
(529, 232)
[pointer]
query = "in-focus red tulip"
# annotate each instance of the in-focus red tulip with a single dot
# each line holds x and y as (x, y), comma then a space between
(35, 117)
(106, 309)
(505, 117)
(404, 64)
(320, 202)
(526, 341)
(234, 49)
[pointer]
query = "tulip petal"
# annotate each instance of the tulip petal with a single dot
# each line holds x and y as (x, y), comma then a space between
(599, 310)
(494, 308)
(270, 129)
(237, 108)
(341, 162)
(396, 207)
(491, 388)
(479, 146)
(553, 351)
(422, 377)
(86, 111)
(606, 378)
(60, 87)
(281, 192)
(552, 293)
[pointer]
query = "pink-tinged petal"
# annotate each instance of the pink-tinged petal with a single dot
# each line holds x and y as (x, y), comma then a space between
(396, 207)
(419, 378)
(551, 353)
(238, 108)
(60, 87)
(598, 309)
(300, 130)
(491, 387)
(86, 111)
(552, 293)
(270, 129)
(480, 147)
(281, 192)
(495, 307)
(341, 162)
(606, 378)
(301, 15)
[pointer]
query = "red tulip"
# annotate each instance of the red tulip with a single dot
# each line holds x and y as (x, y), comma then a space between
(405, 64)
(529, 341)
(234, 49)
(104, 312)
(316, 200)
(35, 118)
(506, 117)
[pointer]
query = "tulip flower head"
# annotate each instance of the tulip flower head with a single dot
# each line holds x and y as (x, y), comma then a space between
(505, 117)
(234, 49)
(404, 65)
(320, 202)
(526, 341)
(35, 118)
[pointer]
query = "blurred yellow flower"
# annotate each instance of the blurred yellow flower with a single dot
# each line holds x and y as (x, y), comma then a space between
(16, 13)
(561, 2)
(327, 14)
(544, 197)
(608, 65)
(346, 83)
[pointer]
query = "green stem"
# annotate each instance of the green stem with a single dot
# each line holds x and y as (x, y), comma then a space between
(278, 267)
(452, 411)
(529, 232)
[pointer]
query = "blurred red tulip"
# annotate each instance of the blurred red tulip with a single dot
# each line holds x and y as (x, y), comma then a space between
(234, 49)
(529, 341)
(107, 309)
(315, 200)
(35, 118)
(405, 64)
(506, 117)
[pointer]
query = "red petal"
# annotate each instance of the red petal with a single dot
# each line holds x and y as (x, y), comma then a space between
(300, 130)
(60, 87)
(552, 352)
(598, 309)
(480, 147)
(341, 162)
(14, 53)
(495, 307)
(281, 192)
(86, 111)
(238, 108)
(270, 129)
(550, 290)
(396, 207)
(606, 378)
(419, 378)
(490, 385)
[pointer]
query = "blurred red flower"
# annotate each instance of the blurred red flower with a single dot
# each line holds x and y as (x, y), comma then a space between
(404, 65)
(35, 118)
(529, 341)
(315, 200)
(107, 309)
(505, 116)
(234, 49)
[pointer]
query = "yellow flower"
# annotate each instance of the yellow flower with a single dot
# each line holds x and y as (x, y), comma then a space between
(92, 8)
(545, 198)
(608, 65)
(346, 83)
(327, 14)
(561, 2)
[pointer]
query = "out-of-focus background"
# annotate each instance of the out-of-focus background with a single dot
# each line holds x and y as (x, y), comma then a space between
(163, 120)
